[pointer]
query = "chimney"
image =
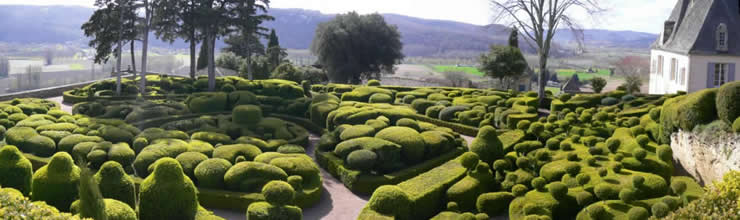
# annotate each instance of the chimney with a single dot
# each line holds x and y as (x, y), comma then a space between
(668, 30)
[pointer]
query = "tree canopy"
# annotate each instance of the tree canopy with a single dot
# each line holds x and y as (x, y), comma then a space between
(503, 61)
(352, 47)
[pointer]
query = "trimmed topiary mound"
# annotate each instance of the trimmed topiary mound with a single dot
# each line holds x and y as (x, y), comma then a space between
(487, 145)
(231, 152)
(246, 114)
(412, 144)
(252, 176)
(728, 101)
(115, 184)
(362, 160)
(210, 173)
(189, 160)
(390, 200)
(15, 170)
(56, 183)
(167, 193)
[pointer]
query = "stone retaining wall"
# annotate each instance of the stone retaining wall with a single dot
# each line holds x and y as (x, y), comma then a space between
(707, 159)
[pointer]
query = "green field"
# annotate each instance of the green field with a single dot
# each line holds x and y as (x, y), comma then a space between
(567, 73)
(76, 66)
(451, 68)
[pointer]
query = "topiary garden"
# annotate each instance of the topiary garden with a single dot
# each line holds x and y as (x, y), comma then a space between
(246, 148)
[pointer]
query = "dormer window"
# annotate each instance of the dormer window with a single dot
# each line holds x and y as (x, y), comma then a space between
(722, 37)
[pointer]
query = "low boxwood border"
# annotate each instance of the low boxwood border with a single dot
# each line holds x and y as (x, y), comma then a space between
(365, 184)
(459, 128)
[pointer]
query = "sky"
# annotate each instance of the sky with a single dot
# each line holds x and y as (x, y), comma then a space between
(636, 15)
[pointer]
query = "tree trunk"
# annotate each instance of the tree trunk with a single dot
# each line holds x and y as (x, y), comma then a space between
(542, 78)
(250, 74)
(145, 47)
(118, 53)
(211, 67)
(133, 58)
(192, 55)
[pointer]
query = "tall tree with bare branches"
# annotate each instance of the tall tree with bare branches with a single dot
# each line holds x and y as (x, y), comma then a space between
(538, 20)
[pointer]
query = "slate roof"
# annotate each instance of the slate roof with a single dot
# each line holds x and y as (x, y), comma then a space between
(696, 24)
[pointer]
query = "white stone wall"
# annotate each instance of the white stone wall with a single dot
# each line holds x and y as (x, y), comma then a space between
(699, 69)
(707, 159)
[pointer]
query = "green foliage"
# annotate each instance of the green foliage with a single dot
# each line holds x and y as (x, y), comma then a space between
(380, 98)
(487, 145)
(686, 112)
(91, 203)
(660, 209)
(412, 143)
(231, 152)
(558, 190)
(391, 201)
(250, 176)
(247, 114)
(16, 206)
(469, 160)
(362, 160)
(495, 203)
(503, 61)
(609, 101)
(267, 211)
(56, 183)
(210, 173)
(736, 125)
(342, 62)
(15, 170)
(728, 106)
(598, 84)
(167, 193)
(632, 84)
(278, 193)
(115, 184)
(207, 102)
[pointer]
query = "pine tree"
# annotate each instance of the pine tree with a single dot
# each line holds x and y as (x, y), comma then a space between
(273, 40)
(514, 38)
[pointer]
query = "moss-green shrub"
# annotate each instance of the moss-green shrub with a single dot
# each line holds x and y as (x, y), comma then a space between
(212, 138)
(67, 143)
(685, 112)
(246, 114)
(390, 200)
(519, 190)
(15, 170)
(638, 213)
(115, 184)
(728, 106)
(469, 160)
(487, 145)
(278, 193)
(380, 98)
(210, 173)
(407, 122)
(56, 183)
(606, 191)
(736, 125)
(115, 134)
(231, 152)
(159, 149)
(495, 203)
(362, 160)
(189, 160)
(207, 102)
(167, 193)
(421, 105)
(412, 143)
(357, 131)
(251, 176)
(660, 209)
(291, 149)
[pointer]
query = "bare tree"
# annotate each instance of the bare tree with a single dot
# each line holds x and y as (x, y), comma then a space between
(539, 20)
(632, 65)
(456, 79)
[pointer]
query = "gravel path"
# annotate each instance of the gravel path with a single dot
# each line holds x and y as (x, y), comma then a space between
(337, 202)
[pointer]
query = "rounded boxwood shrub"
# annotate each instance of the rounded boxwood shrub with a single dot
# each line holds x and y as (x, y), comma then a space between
(539, 183)
(584, 198)
(678, 187)
(357, 131)
(469, 160)
(115, 184)
(596, 211)
(390, 200)
(212, 138)
(291, 149)
(189, 160)
(494, 204)
(639, 154)
(167, 193)
(362, 160)
(736, 125)
(15, 170)
(728, 106)
(583, 179)
(606, 191)
(231, 152)
(207, 102)
(373, 82)
(627, 195)
(114, 210)
(56, 182)
(519, 190)
(68, 143)
(278, 193)
(115, 134)
(246, 114)
(251, 176)
(609, 101)
(660, 209)
(412, 143)
(638, 213)
(408, 99)
(566, 146)
(380, 98)
(558, 190)
(407, 122)
(487, 145)
(161, 148)
(210, 173)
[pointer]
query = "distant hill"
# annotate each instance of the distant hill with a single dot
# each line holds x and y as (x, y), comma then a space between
(295, 27)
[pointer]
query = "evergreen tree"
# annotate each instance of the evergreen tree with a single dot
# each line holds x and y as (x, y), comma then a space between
(514, 37)
(275, 53)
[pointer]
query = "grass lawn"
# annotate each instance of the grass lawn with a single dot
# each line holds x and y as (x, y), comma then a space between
(567, 73)
(451, 68)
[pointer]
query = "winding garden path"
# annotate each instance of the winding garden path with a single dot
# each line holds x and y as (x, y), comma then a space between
(337, 202)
